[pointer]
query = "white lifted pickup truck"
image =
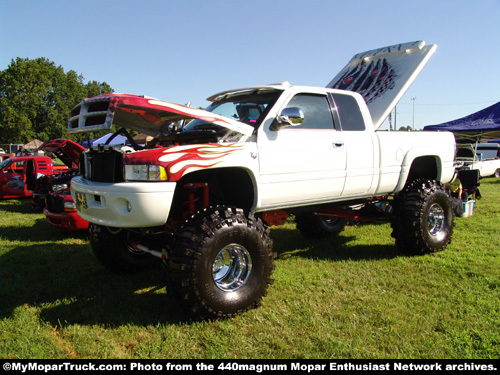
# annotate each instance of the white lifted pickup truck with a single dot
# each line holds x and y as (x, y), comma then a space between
(202, 195)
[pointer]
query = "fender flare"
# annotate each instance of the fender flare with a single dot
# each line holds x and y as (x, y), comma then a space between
(409, 159)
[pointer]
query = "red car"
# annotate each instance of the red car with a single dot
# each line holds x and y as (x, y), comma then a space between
(60, 211)
(18, 174)
(53, 192)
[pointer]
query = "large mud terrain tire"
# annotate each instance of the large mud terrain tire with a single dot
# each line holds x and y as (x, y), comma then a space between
(112, 247)
(423, 218)
(220, 263)
(315, 226)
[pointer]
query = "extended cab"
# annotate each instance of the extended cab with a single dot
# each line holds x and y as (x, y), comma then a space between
(202, 196)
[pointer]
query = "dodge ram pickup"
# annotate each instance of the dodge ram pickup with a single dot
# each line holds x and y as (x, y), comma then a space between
(201, 195)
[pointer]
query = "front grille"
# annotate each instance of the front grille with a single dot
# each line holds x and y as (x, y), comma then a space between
(91, 114)
(55, 204)
(106, 166)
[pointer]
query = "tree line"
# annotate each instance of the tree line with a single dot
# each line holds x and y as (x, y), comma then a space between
(36, 97)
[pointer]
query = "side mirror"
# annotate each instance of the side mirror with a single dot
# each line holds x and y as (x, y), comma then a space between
(292, 116)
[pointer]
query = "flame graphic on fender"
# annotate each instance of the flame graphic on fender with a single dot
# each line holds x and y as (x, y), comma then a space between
(180, 159)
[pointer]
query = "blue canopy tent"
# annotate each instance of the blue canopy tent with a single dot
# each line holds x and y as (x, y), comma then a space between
(482, 124)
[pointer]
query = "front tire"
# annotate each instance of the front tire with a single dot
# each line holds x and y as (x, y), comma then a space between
(113, 248)
(423, 218)
(220, 263)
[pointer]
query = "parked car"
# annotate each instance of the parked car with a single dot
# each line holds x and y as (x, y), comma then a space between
(482, 157)
(53, 195)
(18, 174)
(60, 211)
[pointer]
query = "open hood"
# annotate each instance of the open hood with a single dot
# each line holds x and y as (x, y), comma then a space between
(382, 76)
(66, 150)
(140, 113)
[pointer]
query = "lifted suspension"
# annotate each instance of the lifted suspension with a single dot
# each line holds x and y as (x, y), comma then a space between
(196, 198)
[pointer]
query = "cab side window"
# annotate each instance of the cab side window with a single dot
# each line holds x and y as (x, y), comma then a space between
(317, 114)
(349, 113)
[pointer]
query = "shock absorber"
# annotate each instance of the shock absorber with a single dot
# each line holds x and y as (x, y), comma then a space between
(196, 197)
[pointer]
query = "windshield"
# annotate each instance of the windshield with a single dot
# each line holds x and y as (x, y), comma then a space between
(249, 109)
(5, 163)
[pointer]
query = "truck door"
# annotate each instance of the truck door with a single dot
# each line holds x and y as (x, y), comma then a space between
(360, 145)
(30, 172)
(35, 167)
(12, 184)
(300, 164)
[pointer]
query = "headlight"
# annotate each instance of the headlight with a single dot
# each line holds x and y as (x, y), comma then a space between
(59, 187)
(69, 206)
(145, 172)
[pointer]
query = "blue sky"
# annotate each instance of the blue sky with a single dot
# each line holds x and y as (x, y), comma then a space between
(186, 50)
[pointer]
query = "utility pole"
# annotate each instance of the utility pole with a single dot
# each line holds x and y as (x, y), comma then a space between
(395, 120)
(413, 122)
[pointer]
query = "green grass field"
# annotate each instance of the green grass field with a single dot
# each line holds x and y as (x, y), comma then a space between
(353, 296)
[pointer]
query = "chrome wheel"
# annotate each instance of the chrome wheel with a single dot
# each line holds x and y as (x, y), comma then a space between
(423, 216)
(232, 267)
(436, 219)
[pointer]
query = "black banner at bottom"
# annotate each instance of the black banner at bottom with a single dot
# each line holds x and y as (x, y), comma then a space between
(264, 366)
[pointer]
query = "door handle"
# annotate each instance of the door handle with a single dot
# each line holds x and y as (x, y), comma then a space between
(338, 144)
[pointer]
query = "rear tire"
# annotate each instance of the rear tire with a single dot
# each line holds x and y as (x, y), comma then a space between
(220, 263)
(423, 218)
(315, 226)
